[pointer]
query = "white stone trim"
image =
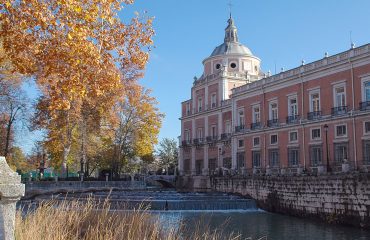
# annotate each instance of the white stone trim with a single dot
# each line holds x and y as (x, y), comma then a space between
(277, 139)
(364, 128)
(295, 141)
(335, 130)
(310, 93)
(363, 81)
(315, 139)
(340, 82)
(259, 141)
(338, 85)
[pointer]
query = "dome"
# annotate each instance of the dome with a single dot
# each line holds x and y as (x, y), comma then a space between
(231, 43)
(231, 48)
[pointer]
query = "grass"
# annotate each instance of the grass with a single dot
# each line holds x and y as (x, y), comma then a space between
(92, 220)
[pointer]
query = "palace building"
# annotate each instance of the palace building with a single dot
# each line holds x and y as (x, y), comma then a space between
(312, 118)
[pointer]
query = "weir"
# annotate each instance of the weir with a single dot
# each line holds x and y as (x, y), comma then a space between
(165, 200)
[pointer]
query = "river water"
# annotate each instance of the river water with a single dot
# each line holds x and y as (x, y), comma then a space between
(229, 212)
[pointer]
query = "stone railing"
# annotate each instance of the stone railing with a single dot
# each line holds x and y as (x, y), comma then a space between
(11, 190)
(344, 56)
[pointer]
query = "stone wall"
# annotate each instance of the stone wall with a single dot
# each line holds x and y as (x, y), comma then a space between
(340, 198)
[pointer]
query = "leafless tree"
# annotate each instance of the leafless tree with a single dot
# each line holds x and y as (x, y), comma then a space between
(13, 109)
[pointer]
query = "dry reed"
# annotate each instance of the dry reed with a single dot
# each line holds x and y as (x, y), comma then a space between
(92, 220)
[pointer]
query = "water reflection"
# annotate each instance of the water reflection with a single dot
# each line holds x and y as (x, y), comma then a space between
(258, 224)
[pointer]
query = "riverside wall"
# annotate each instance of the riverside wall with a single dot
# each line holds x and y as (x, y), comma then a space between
(341, 198)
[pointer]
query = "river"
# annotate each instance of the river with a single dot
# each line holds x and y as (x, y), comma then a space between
(229, 212)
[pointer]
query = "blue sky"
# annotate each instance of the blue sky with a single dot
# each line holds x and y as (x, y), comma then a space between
(280, 33)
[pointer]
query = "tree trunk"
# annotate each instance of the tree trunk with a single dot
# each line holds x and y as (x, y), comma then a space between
(66, 150)
(7, 139)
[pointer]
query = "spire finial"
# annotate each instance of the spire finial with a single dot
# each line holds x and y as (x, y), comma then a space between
(230, 6)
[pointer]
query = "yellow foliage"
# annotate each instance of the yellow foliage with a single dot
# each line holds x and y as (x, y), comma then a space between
(79, 52)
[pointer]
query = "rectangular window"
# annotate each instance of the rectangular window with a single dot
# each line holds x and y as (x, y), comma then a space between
(365, 104)
(273, 139)
(273, 111)
(340, 96)
(256, 114)
(366, 151)
(341, 131)
(293, 156)
(228, 127)
(212, 164)
(187, 165)
(367, 127)
(367, 91)
(293, 136)
(214, 131)
(241, 143)
(316, 155)
(200, 103)
(256, 141)
(187, 109)
(256, 159)
(315, 101)
(241, 119)
(316, 134)
(293, 106)
(241, 160)
(198, 166)
(200, 133)
(187, 136)
(340, 152)
(274, 158)
(227, 163)
(213, 100)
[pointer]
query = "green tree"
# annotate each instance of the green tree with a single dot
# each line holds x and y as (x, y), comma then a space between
(168, 154)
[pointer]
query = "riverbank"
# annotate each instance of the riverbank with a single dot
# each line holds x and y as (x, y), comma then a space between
(338, 198)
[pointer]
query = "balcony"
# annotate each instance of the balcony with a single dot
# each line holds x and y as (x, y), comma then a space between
(314, 115)
(239, 128)
(211, 139)
(365, 105)
(339, 110)
(198, 141)
(186, 143)
(225, 136)
(292, 119)
(273, 123)
(256, 125)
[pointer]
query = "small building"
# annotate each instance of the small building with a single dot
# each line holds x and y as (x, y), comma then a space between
(315, 115)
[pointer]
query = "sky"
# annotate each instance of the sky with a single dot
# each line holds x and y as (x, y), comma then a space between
(281, 33)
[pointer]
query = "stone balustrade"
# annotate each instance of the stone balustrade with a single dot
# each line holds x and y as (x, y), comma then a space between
(11, 190)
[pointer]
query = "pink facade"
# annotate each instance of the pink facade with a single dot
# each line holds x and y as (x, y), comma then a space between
(312, 118)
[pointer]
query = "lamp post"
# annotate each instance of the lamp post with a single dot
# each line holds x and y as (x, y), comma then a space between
(326, 128)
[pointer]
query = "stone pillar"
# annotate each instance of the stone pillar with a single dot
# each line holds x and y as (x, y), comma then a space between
(192, 164)
(180, 161)
(11, 190)
(205, 162)
(234, 146)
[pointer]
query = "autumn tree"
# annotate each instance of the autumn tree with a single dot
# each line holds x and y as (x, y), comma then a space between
(80, 54)
(18, 161)
(168, 154)
(138, 124)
